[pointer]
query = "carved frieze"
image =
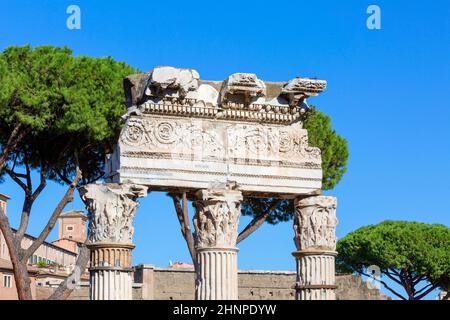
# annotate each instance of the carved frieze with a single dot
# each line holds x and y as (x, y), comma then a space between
(315, 223)
(172, 136)
(217, 212)
(248, 141)
(183, 132)
(202, 140)
(111, 209)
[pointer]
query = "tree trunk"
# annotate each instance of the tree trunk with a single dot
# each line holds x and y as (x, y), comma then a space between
(22, 279)
(67, 286)
(257, 222)
(16, 136)
(68, 197)
(185, 226)
(19, 257)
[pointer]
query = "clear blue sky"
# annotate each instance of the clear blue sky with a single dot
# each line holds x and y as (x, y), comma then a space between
(388, 94)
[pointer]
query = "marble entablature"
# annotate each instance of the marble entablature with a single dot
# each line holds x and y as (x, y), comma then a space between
(186, 133)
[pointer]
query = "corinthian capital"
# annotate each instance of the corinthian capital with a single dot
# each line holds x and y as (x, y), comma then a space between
(315, 223)
(111, 209)
(217, 218)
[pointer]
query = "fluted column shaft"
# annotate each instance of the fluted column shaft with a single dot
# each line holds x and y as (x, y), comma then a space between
(315, 238)
(111, 209)
(216, 220)
(315, 275)
(217, 278)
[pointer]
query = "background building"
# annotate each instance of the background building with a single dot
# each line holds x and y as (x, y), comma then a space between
(52, 262)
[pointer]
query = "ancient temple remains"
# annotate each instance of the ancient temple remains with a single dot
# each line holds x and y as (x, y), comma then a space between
(219, 141)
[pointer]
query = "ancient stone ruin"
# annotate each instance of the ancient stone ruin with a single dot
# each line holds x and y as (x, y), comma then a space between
(220, 142)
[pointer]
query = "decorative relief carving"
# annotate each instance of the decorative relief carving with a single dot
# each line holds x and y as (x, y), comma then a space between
(298, 89)
(304, 85)
(203, 143)
(172, 82)
(294, 143)
(245, 141)
(216, 220)
(256, 140)
(240, 127)
(242, 85)
(111, 209)
(135, 133)
(286, 142)
(315, 223)
(177, 137)
(166, 132)
(176, 91)
(263, 113)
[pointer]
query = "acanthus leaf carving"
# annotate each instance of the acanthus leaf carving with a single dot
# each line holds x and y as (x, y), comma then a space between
(217, 218)
(315, 223)
(111, 209)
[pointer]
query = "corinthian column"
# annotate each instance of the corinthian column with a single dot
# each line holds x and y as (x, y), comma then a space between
(315, 238)
(216, 221)
(111, 209)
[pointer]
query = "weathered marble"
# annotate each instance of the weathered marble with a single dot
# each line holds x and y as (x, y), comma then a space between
(111, 209)
(185, 133)
(242, 88)
(170, 152)
(219, 141)
(299, 89)
(315, 238)
(315, 223)
(171, 82)
(217, 212)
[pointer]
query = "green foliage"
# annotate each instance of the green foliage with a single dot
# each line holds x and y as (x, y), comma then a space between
(42, 264)
(256, 206)
(69, 104)
(421, 249)
(334, 153)
(334, 148)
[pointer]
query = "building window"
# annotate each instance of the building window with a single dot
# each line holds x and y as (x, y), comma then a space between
(7, 281)
(69, 228)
